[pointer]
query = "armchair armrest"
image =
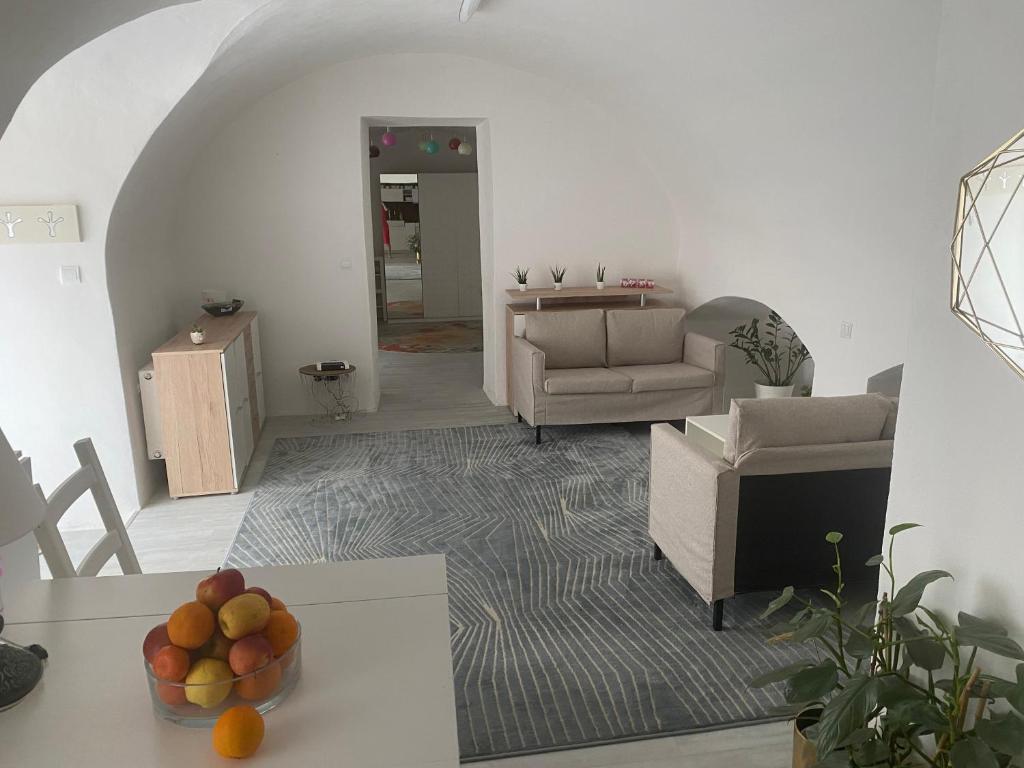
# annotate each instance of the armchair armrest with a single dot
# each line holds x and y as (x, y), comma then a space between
(528, 381)
(708, 353)
(694, 502)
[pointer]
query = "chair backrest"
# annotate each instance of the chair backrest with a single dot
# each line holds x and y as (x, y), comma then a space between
(88, 478)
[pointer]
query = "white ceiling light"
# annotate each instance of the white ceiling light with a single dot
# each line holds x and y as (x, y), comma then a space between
(468, 9)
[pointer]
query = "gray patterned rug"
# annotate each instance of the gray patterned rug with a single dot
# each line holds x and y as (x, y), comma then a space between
(565, 631)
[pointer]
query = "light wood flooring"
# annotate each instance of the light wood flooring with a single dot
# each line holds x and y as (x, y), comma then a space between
(418, 391)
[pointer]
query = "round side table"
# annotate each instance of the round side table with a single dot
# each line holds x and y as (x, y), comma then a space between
(334, 391)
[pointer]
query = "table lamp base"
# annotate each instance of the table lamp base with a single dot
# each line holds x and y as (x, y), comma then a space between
(20, 671)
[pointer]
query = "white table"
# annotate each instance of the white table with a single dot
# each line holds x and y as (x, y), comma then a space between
(376, 689)
(709, 432)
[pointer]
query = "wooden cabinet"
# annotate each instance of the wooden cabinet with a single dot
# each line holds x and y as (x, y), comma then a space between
(211, 404)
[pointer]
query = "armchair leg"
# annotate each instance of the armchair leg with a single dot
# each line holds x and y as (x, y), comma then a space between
(538, 434)
(658, 554)
(519, 418)
(717, 611)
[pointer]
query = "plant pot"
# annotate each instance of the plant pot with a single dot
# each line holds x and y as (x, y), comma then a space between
(765, 392)
(558, 286)
(600, 285)
(522, 286)
(804, 753)
(198, 337)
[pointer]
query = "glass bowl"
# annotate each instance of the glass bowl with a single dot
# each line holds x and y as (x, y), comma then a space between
(263, 689)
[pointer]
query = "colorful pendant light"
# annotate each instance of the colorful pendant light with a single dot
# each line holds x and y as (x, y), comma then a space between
(388, 139)
(374, 150)
(453, 143)
(422, 145)
(431, 147)
(465, 148)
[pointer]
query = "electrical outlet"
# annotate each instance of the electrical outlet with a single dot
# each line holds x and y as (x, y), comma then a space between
(846, 330)
(70, 274)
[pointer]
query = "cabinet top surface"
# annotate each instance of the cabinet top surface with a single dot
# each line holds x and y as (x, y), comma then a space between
(220, 332)
(589, 292)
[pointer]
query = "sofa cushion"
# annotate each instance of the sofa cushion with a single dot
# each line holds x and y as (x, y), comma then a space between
(658, 378)
(573, 339)
(645, 336)
(788, 421)
(889, 430)
(585, 381)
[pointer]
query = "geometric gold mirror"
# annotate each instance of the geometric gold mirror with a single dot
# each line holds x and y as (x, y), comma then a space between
(988, 252)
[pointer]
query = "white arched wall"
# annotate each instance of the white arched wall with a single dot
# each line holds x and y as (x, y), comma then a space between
(275, 203)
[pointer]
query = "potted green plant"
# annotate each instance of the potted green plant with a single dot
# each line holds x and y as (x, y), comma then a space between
(600, 275)
(778, 355)
(414, 244)
(521, 274)
(197, 334)
(558, 274)
(892, 683)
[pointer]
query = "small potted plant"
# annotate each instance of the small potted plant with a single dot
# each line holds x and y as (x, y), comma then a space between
(520, 275)
(777, 356)
(558, 274)
(600, 275)
(197, 334)
(892, 683)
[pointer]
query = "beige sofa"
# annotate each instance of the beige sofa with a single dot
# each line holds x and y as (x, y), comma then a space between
(596, 366)
(793, 469)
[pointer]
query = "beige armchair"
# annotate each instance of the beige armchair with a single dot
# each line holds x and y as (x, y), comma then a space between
(755, 517)
(595, 366)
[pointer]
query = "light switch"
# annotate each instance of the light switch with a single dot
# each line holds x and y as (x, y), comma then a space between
(846, 330)
(70, 274)
(346, 263)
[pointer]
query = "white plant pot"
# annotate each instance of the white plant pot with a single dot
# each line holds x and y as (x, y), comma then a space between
(198, 337)
(558, 286)
(522, 286)
(600, 285)
(765, 392)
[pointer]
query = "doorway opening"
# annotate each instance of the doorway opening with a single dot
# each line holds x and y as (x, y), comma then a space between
(425, 212)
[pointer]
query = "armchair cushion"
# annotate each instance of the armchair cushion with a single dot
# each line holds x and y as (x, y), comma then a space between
(755, 424)
(645, 336)
(573, 339)
(658, 378)
(585, 381)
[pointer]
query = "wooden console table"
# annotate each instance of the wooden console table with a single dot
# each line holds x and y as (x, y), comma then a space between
(550, 300)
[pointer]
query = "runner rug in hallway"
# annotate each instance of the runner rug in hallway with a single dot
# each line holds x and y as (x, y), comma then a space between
(565, 631)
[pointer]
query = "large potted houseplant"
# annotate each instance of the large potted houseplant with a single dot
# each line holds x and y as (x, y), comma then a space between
(778, 354)
(891, 683)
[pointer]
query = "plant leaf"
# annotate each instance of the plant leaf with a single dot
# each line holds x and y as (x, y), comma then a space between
(875, 560)
(903, 527)
(846, 712)
(815, 626)
(924, 650)
(909, 596)
(780, 674)
(979, 633)
(813, 683)
(972, 752)
(833, 537)
(894, 691)
(858, 646)
(778, 602)
(1003, 733)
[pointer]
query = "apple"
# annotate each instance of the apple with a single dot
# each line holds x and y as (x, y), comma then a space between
(217, 647)
(243, 615)
(250, 653)
(262, 593)
(155, 640)
(215, 590)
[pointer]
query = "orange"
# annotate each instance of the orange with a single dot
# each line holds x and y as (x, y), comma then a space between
(238, 732)
(277, 605)
(190, 625)
(260, 684)
(282, 630)
(171, 663)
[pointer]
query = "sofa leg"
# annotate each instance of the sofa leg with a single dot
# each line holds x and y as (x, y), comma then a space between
(519, 418)
(717, 611)
(658, 554)
(538, 434)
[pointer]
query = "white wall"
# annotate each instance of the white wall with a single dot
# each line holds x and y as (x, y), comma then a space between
(275, 203)
(958, 445)
(74, 139)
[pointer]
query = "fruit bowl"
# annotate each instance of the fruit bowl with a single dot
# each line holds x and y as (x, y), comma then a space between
(263, 689)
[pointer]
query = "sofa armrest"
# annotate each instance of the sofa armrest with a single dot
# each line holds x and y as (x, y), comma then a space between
(694, 502)
(527, 381)
(708, 353)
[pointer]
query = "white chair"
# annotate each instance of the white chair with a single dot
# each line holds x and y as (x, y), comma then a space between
(87, 478)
